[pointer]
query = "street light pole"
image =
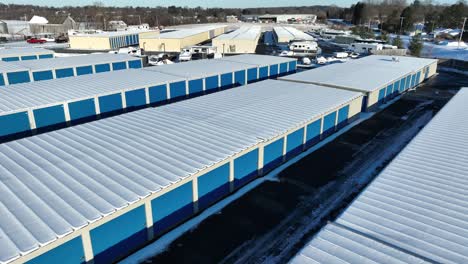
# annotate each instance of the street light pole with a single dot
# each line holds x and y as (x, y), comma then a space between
(461, 33)
(401, 23)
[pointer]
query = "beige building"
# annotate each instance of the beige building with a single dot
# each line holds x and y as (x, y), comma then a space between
(242, 40)
(107, 40)
(176, 40)
(286, 34)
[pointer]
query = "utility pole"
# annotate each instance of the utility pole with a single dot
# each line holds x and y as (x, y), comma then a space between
(461, 33)
(139, 19)
(401, 23)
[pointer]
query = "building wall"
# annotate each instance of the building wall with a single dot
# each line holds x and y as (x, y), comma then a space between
(112, 237)
(240, 45)
(89, 42)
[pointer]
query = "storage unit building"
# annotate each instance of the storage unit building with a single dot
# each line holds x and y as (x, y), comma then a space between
(416, 210)
(266, 66)
(56, 68)
(379, 77)
(286, 34)
(97, 191)
(106, 40)
(176, 40)
(19, 54)
(44, 105)
(242, 40)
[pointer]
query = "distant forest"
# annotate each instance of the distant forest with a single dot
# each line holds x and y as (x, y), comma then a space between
(361, 13)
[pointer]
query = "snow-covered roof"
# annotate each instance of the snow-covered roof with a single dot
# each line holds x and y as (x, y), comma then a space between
(243, 33)
(15, 52)
(416, 210)
(184, 32)
(38, 20)
(256, 59)
(290, 33)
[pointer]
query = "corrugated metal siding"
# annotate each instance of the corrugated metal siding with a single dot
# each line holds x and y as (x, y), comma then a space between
(416, 209)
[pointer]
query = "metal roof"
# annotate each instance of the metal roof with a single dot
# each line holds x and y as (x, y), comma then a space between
(183, 32)
(57, 182)
(11, 67)
(23, 51)
(418, 204)
(291, 33)
(31, 95)
(199, 68)
(74, 61)
(255, 59)
(367, 74)
(112, 33)
(243, 33)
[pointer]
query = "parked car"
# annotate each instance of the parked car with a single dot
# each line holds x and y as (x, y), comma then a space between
(36, 40)
(61, 39)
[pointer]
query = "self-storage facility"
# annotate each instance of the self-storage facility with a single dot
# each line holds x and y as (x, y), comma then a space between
(242, 40)
(286, 34)
(378, 77)
(107, 40)
(416, 210)
(97, 191)
(56, 68)
(20, 54)
(265, 66)
(29, 106)
(177, 39)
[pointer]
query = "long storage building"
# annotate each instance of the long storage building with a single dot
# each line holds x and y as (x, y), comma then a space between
(286, 34)
(97, 191)
(56, 68)
(107, 40)
(21, 54)
(177, 39)
(30, 106)
(242, 40)
(416, 210)
(379, 77)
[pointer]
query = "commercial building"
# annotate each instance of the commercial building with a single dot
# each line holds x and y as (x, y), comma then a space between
(266, 66)
(107, 40)
(42, 105)
(288, 18)
(416, 210)
(56, 68)
(286, 34)
(97, 191)
(379, 77)
(242, 40)
(175, 40)
(17, 54)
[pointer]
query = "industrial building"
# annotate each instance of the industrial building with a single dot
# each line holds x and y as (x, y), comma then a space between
(416, 210)
(108, 40)
(281, 18)
(97, 191)
(266, 66)
(286, 34)
(175, 40)
(20, 54)
(30, 106)
(379, 77)
(242, 40)
(56, 68)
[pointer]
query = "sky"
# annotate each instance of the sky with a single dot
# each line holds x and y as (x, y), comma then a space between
(202, 3)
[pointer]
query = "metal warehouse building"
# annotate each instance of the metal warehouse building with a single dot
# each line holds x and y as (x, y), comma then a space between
(107, 40)
(378, 77)
(99, 190)
(29, 106)
(174, 41)
(416, 210)
(242, 40)
(17, 54)
(266, 66)
(286, 34)
(56, 68)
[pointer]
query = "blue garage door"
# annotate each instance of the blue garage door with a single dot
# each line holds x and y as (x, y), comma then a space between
(389, 90)
(119, 66)
(177, 89)
(2, 81)
(313, 132)
(381, 95)
(158, 94)
(172, 207)
(211, 83)
(128, 40)
(10, 59)
(273, 154)
(294, 143)
(252, 75)
(70, 252)
(134, 64)
(213, 185)
(83, 70)
(283, 68)
(30, 57)
(43, 75)
(292, 66)
(273, 70)
(343, 116)
(418, 78)
(119, 236)
(239, 78)
(402, 85)
(110, 103)
(329, 124)
(135, 98)
(226, 80)
(263, 73)
(46, 56)
(49, 116)
(102, 67)
(62, 73)
(14, 123)
(18, 77)
(245, 168)
(82, 109)
(195, 86)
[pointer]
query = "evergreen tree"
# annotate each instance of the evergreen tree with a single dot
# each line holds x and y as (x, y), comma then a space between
(416, 45)
(397, 42)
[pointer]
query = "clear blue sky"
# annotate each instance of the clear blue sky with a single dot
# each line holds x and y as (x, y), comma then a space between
(202, 3)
